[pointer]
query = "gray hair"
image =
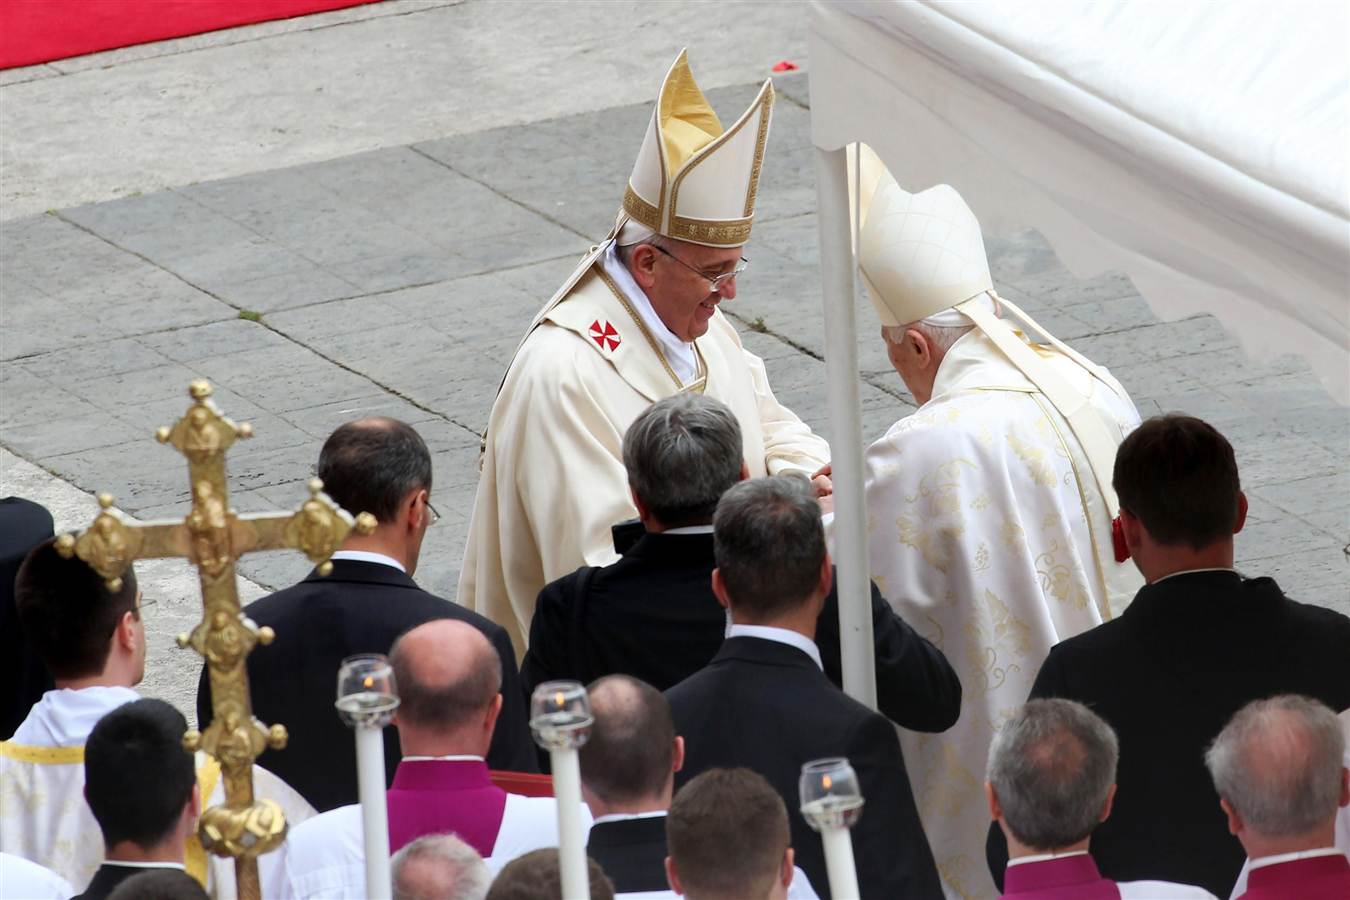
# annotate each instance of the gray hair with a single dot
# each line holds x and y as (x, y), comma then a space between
(769, 544)
(625, 251)
(1052, 767)
(940, 337)
(682, 453)
(455, 862)
(1278, 763)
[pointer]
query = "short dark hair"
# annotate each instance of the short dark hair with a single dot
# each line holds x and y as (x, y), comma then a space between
(727, 831)
(445, 707)
(538, 876)
(632, 744)
(769, 543)
(682, 453)
(370, 465)
(137, 776)
(67, 612)
(1179, 477)
(160, 884)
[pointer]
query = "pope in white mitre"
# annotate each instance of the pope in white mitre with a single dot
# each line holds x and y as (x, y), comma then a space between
(990, 508)
(637, 321)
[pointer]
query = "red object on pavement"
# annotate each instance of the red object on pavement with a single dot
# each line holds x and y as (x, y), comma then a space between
(785, 66)
(38, 31)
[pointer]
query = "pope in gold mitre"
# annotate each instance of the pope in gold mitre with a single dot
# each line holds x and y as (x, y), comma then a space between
(636, 321)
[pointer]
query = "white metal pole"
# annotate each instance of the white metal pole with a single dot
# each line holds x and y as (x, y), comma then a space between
(374, 814)
(839, 867)
(846, 449)
(571, 847)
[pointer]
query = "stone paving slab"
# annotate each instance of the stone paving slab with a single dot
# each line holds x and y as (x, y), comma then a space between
(399, 281)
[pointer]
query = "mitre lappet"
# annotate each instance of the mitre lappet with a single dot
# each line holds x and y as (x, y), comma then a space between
(922, 258)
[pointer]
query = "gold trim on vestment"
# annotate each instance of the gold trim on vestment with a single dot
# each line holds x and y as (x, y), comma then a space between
(194, 855)
(641, 210)
(42, 756)
(730, 233)
(699, 384)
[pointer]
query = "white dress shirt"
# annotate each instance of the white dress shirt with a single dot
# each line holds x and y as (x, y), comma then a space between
(782, 636)
(370, 557)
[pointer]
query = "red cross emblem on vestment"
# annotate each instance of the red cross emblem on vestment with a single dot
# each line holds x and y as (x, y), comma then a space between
(603, 334)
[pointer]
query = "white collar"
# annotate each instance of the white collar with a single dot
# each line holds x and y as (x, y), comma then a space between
(1263, 861)
(624, 817)
(679, 354)
(369, 556)
(690, 529)
(64, 717)
(453, 758)
(1192, 572)
(1044, 857)
(782, 636)
(161, 864)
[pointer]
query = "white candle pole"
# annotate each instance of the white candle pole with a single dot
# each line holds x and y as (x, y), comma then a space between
(831, 802)
(366, 700)
(560, 718)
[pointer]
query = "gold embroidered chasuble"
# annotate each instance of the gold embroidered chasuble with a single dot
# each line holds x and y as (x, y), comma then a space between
(553, 481)
(980, 508)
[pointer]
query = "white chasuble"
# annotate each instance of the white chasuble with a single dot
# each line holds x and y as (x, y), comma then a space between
(978, 526)
(553, 480)
(43, 814)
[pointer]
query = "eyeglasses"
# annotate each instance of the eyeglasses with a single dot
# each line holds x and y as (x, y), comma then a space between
(715, 282)
(435, 516)
(144, 607)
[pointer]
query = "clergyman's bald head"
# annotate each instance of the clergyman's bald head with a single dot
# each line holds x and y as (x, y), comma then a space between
(447, 672)
(372, 464)
(630, 752)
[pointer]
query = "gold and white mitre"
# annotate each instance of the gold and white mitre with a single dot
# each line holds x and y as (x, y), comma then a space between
(695, 181)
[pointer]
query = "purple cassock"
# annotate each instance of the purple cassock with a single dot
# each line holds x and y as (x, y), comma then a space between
(445, 796)
(1075, 877)
(1317, 878)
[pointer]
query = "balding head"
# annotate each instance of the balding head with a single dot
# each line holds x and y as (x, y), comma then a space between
(439, 867)
(631, 756)
(372, 465)
(449, 680)
(1279, 765)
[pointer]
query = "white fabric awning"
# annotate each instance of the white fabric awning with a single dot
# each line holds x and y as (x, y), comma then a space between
(1202, 149)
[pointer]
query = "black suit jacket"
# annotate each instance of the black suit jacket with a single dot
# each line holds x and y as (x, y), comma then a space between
(108, 877)
(360, 608)
(23, 525)
(765, 706)
(1168, 674)
(653, 615)
(632, 852)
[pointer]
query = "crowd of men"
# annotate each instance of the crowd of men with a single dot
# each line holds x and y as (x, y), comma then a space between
(1100, 705)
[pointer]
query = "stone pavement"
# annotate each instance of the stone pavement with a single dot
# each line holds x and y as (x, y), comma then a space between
(398, 282)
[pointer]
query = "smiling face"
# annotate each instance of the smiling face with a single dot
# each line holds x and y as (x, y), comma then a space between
(679, 293)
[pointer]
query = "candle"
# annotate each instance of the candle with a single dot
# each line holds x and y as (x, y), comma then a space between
(831, 802)
(366, 700)
(560, 718)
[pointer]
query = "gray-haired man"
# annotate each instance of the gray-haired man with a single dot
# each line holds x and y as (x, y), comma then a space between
(652, 614)
(439, 867)
(1051, 781)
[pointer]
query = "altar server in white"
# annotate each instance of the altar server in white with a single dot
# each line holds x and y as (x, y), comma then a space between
(635, 322)
(449, 678)
(990, 508)
(92, 640)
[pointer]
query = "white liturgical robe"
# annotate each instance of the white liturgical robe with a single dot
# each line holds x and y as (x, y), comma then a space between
(553, 480)
(325, 857)
(43, 814)
(22, 879)
(979, 506)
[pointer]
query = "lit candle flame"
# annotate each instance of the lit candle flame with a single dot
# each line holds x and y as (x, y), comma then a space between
(558, 699)
(826, 782)
(368, 682)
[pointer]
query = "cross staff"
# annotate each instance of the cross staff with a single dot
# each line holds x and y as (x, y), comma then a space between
(212, 537)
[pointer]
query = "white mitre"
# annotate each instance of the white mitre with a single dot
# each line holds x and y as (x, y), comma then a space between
(695, 181)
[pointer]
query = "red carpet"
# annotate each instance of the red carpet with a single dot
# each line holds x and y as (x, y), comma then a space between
(36, 31)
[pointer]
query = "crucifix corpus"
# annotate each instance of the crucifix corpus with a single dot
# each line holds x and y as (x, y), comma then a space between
(212, 537)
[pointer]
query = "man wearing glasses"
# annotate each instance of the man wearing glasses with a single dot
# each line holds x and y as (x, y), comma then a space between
(637, 321)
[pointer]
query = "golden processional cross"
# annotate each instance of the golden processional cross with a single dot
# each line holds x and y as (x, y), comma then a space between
(212, 537)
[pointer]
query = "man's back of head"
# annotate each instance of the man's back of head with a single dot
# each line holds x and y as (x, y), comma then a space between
(439, 867)
(682, 453)
(728, 837)
(628, 763)
(537, 876)
(140, 782)
(160, 884)
(1051, 776)
(71, 618)
(1279, 768)
(449, 680)
(770, 550)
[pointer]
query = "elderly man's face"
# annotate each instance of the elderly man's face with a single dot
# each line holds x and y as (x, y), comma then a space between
(677, 283)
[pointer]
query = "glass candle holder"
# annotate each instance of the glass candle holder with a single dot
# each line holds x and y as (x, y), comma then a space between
(830, 796)
(560, 715)
(366, 693)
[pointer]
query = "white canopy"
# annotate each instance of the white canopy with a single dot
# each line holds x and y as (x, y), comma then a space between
(1199, 148)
